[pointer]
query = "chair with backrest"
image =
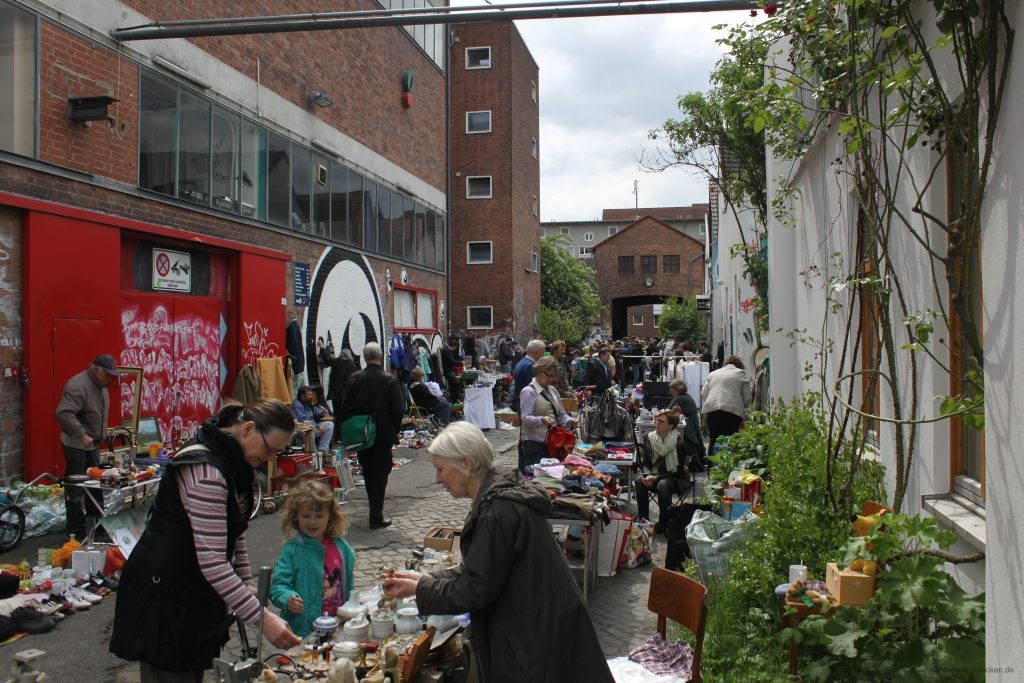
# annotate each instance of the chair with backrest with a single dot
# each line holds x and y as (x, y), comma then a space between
(681, 599)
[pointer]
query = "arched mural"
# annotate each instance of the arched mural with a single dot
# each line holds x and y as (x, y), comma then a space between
(344, 306)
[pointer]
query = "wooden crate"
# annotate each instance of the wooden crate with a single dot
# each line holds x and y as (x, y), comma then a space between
(849, 587)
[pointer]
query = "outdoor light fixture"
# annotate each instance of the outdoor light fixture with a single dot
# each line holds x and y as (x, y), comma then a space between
(648, 282)
(320, 98)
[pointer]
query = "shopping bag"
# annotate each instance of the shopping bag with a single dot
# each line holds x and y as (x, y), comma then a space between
(611, 543)
(712, 539)
(358, 432)
(640, 545)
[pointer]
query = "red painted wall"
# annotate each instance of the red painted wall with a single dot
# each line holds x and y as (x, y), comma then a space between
(260, 311)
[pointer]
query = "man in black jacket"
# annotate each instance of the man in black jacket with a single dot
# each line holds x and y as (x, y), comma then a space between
(342, 366)
(373, 391)
(597, 372)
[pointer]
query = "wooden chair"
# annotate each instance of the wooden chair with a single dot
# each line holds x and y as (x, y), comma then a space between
(681, 599)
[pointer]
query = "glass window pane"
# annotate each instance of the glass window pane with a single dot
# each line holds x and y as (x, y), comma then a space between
(405, 305)
(425, 311)
(442, 246)
(355, 209)
(193, 148)
(224, 158)
(441, 33)
(429, 39)
(279, 179)
(478, 121)
(17, 80)
(409, 229)
(158, 107)
(339, 203)
(321, 196)
(254, 170)
(384, 220)
(421, 233)
(397, 222)
(302, 178)
(431, 240)
(370, 211)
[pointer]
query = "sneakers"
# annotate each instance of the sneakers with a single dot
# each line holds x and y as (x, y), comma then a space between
(85, 594)
(74, 600)
(31, 620)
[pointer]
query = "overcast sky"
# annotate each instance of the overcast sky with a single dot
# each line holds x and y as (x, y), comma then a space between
(604, 83)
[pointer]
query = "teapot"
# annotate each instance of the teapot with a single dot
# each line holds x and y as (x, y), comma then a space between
(408, 621)
(351, 609)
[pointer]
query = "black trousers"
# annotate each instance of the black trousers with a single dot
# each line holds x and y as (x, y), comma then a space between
(376, 464)
(78, 460)
(665, 488)
(721, 423)
(530, 453)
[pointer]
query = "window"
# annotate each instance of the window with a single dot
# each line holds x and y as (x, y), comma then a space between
(648, 264)
(302, 179)
(18, 81)
(478, 252)
(543, 232)
(478, 121)
(533, 90)
(478, 57)
(569, 248)
(533, 147)
(638, 319)
(158, 113)
(670, 263)
(193, 148)
(564, 231)
(415, 309)
(586, 251)
(535, 261)
(612, 231)
(252, 168)
(479, 317)
(279, 178)
(535, 205)
(478, 187)
(588, 237)
(626, 265)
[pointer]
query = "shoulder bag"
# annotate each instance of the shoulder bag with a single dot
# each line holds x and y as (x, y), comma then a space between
(560, 441)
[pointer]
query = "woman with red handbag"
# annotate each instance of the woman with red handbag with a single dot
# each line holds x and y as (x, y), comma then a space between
(540, 409)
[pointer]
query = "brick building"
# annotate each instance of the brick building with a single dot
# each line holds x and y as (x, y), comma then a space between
(583, 236)
(495, 182)
(225, 188)
(642, 265)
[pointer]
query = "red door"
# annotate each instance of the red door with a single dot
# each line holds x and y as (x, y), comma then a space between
(76, 342)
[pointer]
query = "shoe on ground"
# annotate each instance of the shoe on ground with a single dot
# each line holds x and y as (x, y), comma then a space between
(385, 522)
(31, 620)
(64, 605)
(75, 601)
(88, 595)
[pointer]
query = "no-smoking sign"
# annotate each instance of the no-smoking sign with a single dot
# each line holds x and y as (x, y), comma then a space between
(172, 271)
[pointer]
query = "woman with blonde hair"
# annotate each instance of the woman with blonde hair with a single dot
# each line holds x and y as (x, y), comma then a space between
(540, 408)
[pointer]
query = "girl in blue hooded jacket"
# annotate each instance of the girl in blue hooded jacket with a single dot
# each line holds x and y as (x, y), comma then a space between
(314, 571)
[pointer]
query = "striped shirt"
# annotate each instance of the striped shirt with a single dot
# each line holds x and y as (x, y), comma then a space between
(204, 495)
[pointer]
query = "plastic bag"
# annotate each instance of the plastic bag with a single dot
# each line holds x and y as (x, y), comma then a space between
(44, 517)
(712, 539)
(640, 546)
(612, 542)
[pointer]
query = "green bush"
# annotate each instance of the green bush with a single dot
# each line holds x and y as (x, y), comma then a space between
(797, 527)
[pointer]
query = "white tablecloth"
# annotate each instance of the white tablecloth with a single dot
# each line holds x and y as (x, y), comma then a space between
(478, 407)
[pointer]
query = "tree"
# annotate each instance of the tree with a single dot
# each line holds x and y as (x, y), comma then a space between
(680, 320)
(568, 293)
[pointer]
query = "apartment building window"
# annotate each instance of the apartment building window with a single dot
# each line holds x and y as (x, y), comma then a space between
(648, 264)
(478, 187)
(569, 248)
(543, 232)
(638, 319)
(586, 251)
(588, 237)
(17, 80)
(625, 265)
(478, 57)
(479, 252)
(535, 261)
(564, 231)
(533, 147)
(535, 205)
(670, 263)
(478, 121)
(612, 231)
(533, 90)
(480, 317)
(415, 309)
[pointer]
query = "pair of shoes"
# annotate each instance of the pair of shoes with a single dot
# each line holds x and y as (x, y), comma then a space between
(31, 620)
(104, 581)
(384, 522)
(86, 594)
(71, 596)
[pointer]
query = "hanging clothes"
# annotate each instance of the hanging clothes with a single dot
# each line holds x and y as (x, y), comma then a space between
(397, 352)
(293, 343)
(248, 387)
(272, 379)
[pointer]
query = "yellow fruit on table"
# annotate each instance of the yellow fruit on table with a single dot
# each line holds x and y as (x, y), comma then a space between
(870, 568)
(857, 565)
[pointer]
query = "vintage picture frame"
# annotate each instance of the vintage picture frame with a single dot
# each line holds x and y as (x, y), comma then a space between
(131, 390)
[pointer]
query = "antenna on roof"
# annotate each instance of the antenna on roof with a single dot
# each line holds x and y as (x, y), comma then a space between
(636, 194)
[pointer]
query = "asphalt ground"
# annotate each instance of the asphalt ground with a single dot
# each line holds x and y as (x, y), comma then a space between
(77, 649)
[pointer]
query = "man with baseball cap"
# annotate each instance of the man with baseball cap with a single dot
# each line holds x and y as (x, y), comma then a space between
(82, 414)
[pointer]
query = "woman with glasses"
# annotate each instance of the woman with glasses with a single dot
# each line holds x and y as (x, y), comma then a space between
(191, 567)
(540, 408)
(671, 475)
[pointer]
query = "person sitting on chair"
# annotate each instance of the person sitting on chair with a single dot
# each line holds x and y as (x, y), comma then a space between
(440, 409)
(305, 409)
(672, 476)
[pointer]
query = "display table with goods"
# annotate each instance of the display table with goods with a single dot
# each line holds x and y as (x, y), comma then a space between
(120, 498)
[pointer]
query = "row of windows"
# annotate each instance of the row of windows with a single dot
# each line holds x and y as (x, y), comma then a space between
(195, 150)
(431, 38)
(587, 236)
(649, 264)
(481, 253)
(482, 187)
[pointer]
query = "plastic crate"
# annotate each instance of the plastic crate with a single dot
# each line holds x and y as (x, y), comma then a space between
(294, 464)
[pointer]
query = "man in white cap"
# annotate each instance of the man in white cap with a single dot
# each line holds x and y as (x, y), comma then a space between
(82, 414)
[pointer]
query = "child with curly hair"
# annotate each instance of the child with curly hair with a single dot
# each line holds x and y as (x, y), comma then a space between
(313, 574)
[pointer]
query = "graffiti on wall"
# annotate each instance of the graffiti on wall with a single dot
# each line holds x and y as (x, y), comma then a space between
(180, 357)
(256, 343)
(344, 305)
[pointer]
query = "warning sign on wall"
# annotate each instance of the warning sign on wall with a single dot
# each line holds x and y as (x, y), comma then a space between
(172, 271)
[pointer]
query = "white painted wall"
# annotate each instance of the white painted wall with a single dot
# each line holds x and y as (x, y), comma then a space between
(728, 321)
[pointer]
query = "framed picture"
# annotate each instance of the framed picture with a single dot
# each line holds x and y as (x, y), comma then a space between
(131, 397)
(148, 434)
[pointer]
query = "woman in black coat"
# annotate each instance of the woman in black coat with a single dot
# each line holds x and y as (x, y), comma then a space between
(529, 622)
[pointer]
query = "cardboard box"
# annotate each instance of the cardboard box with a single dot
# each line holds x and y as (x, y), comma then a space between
(849, 587)
(442, 538)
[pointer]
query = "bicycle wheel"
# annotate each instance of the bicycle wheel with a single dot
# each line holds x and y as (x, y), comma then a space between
(257, 493)
(12, 527)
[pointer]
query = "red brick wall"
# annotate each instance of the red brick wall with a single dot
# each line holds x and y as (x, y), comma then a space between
(70, 66)
(507, 218)
(647, 329)
(647, 236)
(11, 413)
(361, 70)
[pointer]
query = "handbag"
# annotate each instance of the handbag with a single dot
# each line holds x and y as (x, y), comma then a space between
(358, 432)
(560, 441)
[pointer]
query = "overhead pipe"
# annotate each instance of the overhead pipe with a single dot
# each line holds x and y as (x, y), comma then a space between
(439, 15)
